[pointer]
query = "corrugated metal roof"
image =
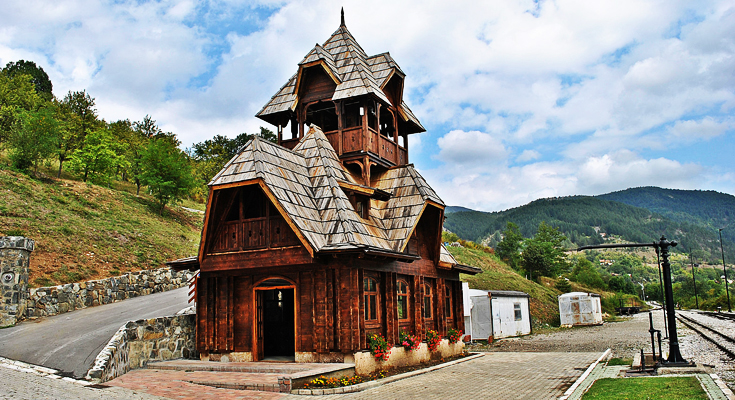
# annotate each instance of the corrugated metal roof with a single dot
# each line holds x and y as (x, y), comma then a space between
(306, 183)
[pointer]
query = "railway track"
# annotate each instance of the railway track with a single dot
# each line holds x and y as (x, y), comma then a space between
(723, 342)
(719, 315)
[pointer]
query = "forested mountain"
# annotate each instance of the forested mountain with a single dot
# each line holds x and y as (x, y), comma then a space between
(710, 208)
(592, 220)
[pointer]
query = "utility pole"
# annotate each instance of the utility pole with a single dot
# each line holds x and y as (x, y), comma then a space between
(724, 269)
(696, 299)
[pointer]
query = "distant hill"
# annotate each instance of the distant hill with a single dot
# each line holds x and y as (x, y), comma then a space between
(454, 209)
(710, 208)
(592, 220)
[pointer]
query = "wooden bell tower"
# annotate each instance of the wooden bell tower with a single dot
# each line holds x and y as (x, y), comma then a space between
(356, 100)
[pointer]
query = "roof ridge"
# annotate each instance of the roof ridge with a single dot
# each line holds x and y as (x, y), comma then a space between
(232, 160)
(416, 177)
(257, 158)
(341, 209)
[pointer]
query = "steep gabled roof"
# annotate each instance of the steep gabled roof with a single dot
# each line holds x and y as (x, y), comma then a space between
(355, 72)
(307, 184)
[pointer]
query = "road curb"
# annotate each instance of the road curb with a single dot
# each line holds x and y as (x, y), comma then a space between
(39, 370)
(584, 376)
(380, 382)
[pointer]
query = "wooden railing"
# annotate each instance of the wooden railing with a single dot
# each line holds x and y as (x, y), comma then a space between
(354, 140)
(255, 233)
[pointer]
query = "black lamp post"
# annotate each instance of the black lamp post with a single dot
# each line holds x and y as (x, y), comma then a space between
(724, 269)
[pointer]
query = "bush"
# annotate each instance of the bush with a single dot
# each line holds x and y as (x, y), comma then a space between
(563, 285)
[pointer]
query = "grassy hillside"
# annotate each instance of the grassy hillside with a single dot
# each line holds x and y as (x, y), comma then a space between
(496, 275)
(83, 231)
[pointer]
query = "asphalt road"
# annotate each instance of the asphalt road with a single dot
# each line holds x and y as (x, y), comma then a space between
(70, 342)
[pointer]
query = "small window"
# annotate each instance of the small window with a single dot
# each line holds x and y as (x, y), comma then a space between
(360, 207)
(448, 301)
(427, 301)
(402, 293)
(370, 289)
(361, 204)
(517, 311)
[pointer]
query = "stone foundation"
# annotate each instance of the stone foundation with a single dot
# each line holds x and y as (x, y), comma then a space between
(15, 252)
(53, 300)
(138, 342)
(234, 356)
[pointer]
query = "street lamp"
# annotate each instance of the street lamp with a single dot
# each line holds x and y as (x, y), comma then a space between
(691, 258)
(724, 269)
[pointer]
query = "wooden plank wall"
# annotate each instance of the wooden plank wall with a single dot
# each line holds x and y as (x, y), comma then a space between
(330, 309)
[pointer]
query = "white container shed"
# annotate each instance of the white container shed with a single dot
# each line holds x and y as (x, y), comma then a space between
(579, 308)
(495, 314)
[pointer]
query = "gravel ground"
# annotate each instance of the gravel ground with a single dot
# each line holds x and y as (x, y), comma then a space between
(694, 348)
(624, 338)
(627, 338)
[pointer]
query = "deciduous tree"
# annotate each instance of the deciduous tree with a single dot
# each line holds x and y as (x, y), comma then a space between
(509, 249)
(34, 138)
(39, 78)
(166, 171)
(80, 117)
(98, 157)
(16, 94)
(543, 254)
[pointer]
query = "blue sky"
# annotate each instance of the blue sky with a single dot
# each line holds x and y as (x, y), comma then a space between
(521, 99)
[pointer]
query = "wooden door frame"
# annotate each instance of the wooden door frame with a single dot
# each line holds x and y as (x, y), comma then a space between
(256, 344)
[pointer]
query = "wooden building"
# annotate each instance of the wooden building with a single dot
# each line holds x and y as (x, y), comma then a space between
(314, 243)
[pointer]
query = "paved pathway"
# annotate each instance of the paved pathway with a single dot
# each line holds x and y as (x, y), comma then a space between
(501, 376)
(18, 385)
(70, 342)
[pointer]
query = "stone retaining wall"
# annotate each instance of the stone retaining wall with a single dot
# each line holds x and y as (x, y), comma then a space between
(46, 301)
(15, 254)
(138, 342)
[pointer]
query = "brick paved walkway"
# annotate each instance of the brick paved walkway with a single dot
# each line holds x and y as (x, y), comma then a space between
(179, 384)
(533, 376)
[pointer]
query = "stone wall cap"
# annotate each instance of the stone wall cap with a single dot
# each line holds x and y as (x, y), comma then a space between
(17, 242)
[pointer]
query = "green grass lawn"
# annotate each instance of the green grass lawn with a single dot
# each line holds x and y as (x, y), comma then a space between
(675, 388)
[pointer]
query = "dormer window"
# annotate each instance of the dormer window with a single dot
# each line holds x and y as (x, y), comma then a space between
(361, 204)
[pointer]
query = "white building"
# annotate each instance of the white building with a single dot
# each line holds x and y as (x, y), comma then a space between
(579, 308)
(495, 314)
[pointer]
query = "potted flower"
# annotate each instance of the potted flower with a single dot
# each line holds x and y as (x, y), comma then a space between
(408, 341)
(432, 340)
(454, 335)
(379, 347)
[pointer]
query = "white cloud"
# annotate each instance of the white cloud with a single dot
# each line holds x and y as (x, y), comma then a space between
(705, 128)
(464, 149)
(528, 155)
(589, 85)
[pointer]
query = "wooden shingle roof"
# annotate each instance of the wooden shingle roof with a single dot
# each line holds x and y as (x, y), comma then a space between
(355, 72)
(306, 184)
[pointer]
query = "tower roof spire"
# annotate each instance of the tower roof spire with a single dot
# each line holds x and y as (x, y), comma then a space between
(343, 17)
